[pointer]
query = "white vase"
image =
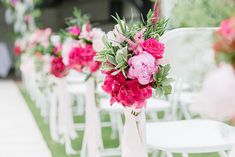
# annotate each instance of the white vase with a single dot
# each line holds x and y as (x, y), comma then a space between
(134, 136)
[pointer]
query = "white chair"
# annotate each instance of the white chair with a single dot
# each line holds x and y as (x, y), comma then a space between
(5, 60)
(190, 136)
(190, 53)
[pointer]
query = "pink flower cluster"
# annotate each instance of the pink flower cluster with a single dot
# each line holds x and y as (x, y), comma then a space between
(136, 88)
(227, 28)
(225, 41)
(17, 50)
(80, 57)
(40, 36)
(145, 63)
(58, 69)
(74, 30)
(126, 92)
(79, 50)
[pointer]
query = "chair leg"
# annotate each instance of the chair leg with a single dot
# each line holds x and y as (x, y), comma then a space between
(223, 154)
(113, 121)
(155, 154)
(185, 155)
(185, 112)
(120, 126)
(169, 154)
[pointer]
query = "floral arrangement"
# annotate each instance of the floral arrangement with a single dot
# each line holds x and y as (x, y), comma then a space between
(224, 45)
(22, 14)
(81, 43)
(131, 61)
(58, 68)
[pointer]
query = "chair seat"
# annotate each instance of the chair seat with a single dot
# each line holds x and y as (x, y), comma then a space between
(190, 136)
(76, 88)
(152, 105)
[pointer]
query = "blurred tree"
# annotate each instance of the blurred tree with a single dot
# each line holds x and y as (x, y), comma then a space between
(201, 13)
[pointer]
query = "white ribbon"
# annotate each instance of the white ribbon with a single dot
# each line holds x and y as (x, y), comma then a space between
(66, 127)
(92, 144)
(134, 136)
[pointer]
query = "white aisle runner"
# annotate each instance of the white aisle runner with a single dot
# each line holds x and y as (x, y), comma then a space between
(19, 134)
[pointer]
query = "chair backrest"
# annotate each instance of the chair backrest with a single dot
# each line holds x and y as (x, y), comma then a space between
(5, 60)
(189, 51)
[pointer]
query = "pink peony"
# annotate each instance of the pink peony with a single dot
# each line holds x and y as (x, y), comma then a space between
(127, 92)
(80, 57)
(153, 47)
(74, 30)
(58, 69)
(142, 68)
(67, 47)
(227, 28)
(75, 60)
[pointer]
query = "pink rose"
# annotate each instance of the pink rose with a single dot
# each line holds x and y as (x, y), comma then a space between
(227, 28)
(74, 30)
(153, 47)
(142, 68)
(17, 50)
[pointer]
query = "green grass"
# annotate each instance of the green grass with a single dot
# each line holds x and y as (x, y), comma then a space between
(58, 150)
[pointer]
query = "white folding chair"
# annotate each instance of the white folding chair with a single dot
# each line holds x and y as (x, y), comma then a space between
(190, 53)
(190, 137)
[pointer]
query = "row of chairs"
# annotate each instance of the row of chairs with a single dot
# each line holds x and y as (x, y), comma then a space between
(189, 51)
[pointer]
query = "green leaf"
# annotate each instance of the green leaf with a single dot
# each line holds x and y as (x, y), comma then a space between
(120, 65)
(112, 60)
(166, 70)
(121, 55)
(116, 72)
(167, 89)
(167, 81)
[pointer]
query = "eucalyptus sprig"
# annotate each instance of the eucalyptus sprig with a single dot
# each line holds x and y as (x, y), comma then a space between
(162, 83)
(77, 19)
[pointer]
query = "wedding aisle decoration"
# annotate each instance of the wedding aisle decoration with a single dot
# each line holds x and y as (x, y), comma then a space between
(22, 14)
(131, 63)
(81, 44)
(61, 115)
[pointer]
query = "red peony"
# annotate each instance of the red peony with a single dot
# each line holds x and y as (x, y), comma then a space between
(126, 92)
(58, 68)
(75, 61)
(93, 66)
(17, 50)
(81, 57)
(153, 47)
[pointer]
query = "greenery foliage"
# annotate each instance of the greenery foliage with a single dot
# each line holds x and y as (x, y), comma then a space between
(201, 13)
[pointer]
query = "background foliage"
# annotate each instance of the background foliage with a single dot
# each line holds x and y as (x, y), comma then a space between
(201, 13)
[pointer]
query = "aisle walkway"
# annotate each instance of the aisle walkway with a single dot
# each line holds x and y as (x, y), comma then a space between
(19, 134)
